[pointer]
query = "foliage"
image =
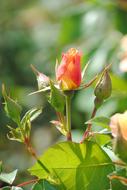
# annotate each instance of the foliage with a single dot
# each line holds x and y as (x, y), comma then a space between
(68, 165)
(76, 163)
(34, 32)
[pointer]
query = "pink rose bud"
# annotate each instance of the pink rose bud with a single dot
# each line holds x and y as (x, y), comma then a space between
(118, 124)
(69, 70)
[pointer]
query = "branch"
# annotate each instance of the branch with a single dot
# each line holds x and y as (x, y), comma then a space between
(27, 182)
(86, 133)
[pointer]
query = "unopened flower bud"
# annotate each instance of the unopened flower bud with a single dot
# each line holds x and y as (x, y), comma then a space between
(69, 71)
(103, 88)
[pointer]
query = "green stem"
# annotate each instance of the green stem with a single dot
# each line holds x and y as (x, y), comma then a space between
(68, 117)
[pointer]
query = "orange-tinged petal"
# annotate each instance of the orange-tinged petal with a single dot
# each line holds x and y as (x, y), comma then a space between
(114, 122)
(123, 125)
(118, 124)
(69, 70)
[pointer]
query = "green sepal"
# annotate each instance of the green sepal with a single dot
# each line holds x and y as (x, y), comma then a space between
(15, 134)
(8, 177)
(11, 107)
(56, 98)
(101, 121)
(12, 188)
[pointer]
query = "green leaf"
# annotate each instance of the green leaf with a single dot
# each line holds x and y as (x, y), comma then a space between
(101, 121)
(101, 139)
(16, 188)
(6, 188)
(31, 114)
(15, 134)
(119, 84)
(28, 118)
(24, 128)
(119, 184)
(11, 107)
(8, 177)
(0, 167)
(56, 98)
(43, 185)
(76, 166)
(12, 188)
(119, 147)
(60, 127)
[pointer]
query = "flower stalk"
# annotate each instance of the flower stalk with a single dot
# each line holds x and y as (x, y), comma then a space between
(68, 117)
(86, 133)
(68, 97)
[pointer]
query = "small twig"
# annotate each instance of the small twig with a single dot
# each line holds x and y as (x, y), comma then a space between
(88, 84)
(120, 178)
(58, 116)
(69, 136)
(120, 163)
(86, 133)
(33, 153)
(27, 182)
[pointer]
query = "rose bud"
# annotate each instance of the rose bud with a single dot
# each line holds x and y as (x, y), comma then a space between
(103, 88)
(69, 71)
(118, 124)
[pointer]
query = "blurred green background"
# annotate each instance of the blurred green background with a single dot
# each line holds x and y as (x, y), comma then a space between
(36, 32)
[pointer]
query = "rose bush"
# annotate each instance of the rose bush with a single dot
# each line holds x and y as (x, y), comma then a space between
(70, 165)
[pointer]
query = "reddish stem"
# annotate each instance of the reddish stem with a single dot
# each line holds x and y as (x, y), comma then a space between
(27, 182)
(58, 116)
(86, 133)
(30, 148)
(123, 179)
(119, 163)
(69, 136)
(33, 153)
